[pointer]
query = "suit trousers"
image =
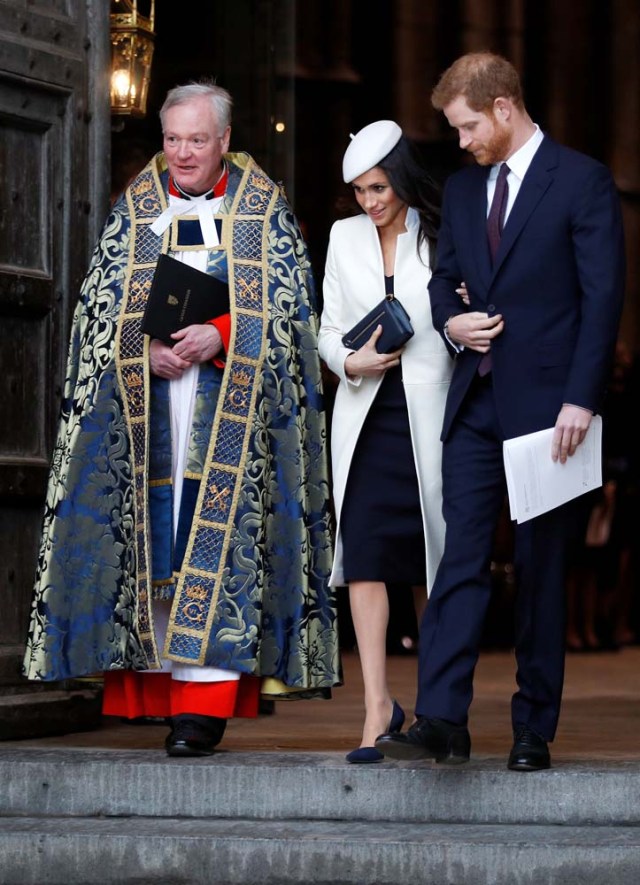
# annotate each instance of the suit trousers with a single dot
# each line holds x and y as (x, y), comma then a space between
(474, 488)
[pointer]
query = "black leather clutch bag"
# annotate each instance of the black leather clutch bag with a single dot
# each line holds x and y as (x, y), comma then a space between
(395, 322)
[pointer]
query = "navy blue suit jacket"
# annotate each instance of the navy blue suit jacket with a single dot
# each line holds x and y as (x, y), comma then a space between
(558, 282)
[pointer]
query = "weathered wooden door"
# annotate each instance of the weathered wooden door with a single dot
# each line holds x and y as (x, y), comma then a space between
(54, 165)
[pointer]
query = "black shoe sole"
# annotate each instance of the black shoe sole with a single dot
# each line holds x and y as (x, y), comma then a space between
(417, 752)
(452, 759)
(527, 766)
(184, 751)
(409, 752)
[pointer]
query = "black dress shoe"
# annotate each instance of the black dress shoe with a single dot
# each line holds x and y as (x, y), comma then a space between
(529, 751)
(193, 735)
(428, 739)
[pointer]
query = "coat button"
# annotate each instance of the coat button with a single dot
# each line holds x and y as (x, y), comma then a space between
(491, 308)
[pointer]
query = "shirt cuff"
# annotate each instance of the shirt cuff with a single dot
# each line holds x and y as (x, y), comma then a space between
(457, 347)
(223, 325)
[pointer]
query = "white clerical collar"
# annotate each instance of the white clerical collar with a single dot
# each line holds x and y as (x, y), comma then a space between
(202, 205)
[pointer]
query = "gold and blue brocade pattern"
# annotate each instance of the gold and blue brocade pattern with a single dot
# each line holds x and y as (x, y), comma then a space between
(253, 592)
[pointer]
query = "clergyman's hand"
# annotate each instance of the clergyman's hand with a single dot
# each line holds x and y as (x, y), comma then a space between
(164, 362)
(198, 343)
(367, 362)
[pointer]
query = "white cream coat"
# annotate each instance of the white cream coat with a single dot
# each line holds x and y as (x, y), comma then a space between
(353, 284)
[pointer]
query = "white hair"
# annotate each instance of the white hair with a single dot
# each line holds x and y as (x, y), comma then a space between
(221, 101)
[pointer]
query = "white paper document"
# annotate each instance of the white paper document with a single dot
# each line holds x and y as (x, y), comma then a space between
(536, 484)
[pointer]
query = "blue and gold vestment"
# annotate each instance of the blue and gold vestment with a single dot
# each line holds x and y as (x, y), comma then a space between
(251, 593)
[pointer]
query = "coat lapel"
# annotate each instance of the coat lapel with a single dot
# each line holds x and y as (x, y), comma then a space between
(478, 223)
(537, 179)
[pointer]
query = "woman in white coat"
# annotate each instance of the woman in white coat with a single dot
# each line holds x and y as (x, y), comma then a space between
(387, 417)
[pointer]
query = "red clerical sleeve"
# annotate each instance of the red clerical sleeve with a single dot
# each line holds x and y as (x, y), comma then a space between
(223, 325)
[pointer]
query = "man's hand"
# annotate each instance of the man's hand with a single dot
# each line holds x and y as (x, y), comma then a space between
(197, 344)
(164, 362)
(194, 344)
(475, 330)
(571, 428)
(367, 362)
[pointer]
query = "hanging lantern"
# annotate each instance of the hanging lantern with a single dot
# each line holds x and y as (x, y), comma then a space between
(131, 53)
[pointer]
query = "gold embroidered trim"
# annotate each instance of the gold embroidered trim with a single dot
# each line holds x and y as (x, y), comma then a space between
(245, 238)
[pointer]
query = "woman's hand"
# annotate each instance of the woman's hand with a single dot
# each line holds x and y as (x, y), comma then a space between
(463, 293)
(367, 362)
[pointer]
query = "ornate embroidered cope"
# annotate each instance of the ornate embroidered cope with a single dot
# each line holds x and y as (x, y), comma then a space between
(252, 594)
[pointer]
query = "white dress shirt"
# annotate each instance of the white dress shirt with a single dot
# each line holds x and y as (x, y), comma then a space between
(518, 164)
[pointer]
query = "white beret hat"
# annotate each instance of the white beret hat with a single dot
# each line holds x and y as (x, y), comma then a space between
(368, 147)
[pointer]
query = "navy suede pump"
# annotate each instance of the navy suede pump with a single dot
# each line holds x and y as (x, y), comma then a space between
(370, 754)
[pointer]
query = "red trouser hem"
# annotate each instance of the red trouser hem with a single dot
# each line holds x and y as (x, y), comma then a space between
(131, 694)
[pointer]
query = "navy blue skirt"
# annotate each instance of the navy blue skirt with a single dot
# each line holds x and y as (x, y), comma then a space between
(381, 519)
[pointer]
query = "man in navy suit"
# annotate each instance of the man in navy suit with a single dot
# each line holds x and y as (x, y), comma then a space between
(533, 349)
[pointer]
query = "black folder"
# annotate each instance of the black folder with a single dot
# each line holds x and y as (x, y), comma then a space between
(181, 296)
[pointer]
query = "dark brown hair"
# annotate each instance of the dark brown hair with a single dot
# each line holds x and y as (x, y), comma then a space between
(480, 78)
(406, 170)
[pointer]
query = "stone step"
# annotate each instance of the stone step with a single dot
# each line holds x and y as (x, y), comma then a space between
(67, 851)
(38, 709)
(313, 786)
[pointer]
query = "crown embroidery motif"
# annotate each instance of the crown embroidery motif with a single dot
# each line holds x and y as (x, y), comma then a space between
(143, 187)
(241, 377)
